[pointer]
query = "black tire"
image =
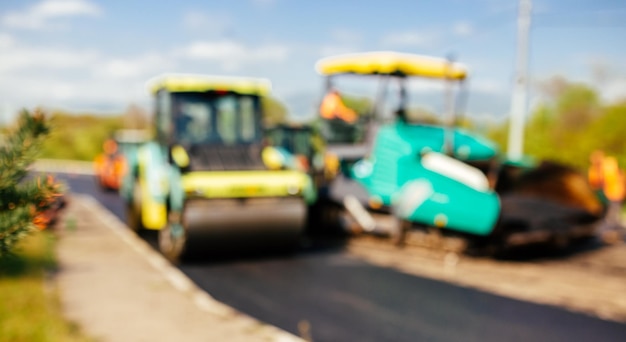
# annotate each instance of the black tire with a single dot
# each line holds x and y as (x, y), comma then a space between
(171, 245)
(401, 228)
(330, 219)
(323, 219)
(133, 210)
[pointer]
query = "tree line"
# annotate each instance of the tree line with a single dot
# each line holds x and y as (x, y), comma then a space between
(571, 121)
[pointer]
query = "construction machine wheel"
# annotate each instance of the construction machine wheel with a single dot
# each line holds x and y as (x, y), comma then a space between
(133, 210)
(173, 241)
(400, 229)
(326, 219)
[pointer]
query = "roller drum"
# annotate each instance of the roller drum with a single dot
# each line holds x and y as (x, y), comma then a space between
(242, 225)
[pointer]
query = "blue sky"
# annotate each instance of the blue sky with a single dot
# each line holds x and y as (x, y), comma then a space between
(96, 55)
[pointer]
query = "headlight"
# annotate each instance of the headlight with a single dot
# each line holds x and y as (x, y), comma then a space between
(272, 158)
(180, 156)
(293, 189)
(331, 164)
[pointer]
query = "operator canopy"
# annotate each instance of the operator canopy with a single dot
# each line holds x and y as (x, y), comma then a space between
(391, 63)
(203, 83)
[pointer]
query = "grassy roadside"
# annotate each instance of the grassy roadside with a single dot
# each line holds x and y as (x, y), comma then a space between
(30, 309)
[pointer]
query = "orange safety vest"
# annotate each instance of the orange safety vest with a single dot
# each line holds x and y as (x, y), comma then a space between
(614, 183)
(120, 166)
(594, 174)
(99, 163)
(332, 107)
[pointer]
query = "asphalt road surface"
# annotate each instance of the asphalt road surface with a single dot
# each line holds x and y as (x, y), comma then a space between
(341, 298)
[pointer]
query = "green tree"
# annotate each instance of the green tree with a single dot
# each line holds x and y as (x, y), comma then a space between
(569, 124)
(274, 111)
(79, 137)
(22, 202)
(362, 105)
(422, 115)
(608, 132)
(135, 117)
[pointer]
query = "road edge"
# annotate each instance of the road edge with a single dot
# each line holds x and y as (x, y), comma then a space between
(175, 277)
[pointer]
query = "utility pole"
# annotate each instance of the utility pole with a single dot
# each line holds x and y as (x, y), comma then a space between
(519, 97)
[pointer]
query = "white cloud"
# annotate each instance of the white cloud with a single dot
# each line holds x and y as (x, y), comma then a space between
(73, 79)
(488, 86)
(220, 50)
(232, 54)
(134, 67)
(83, 93)
(614, 90)
(463, 29)
(39, 15)
(19, 58)
(6, 40)
(32, 90)
(84, 79)
(410, 39)
(476, 85)
(422, 85)
(271, 53)
(214, 23)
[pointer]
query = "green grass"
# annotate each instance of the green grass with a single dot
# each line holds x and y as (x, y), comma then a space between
(29, 304)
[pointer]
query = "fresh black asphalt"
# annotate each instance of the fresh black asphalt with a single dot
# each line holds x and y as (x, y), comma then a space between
(345, 299)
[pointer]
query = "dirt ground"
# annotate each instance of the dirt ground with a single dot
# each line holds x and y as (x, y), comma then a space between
(591, 281)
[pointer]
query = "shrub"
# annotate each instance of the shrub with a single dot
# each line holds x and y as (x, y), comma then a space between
(23, 202)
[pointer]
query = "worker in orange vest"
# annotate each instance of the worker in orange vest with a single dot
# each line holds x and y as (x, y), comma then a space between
(614, 189)
(613, 179)
(595, 171)
(332, 107)
(110, 166)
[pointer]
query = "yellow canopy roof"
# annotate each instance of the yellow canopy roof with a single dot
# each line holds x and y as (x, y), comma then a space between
(391, 63)
(202, 83)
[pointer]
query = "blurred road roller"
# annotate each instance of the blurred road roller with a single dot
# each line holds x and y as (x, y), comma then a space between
(208, 183)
